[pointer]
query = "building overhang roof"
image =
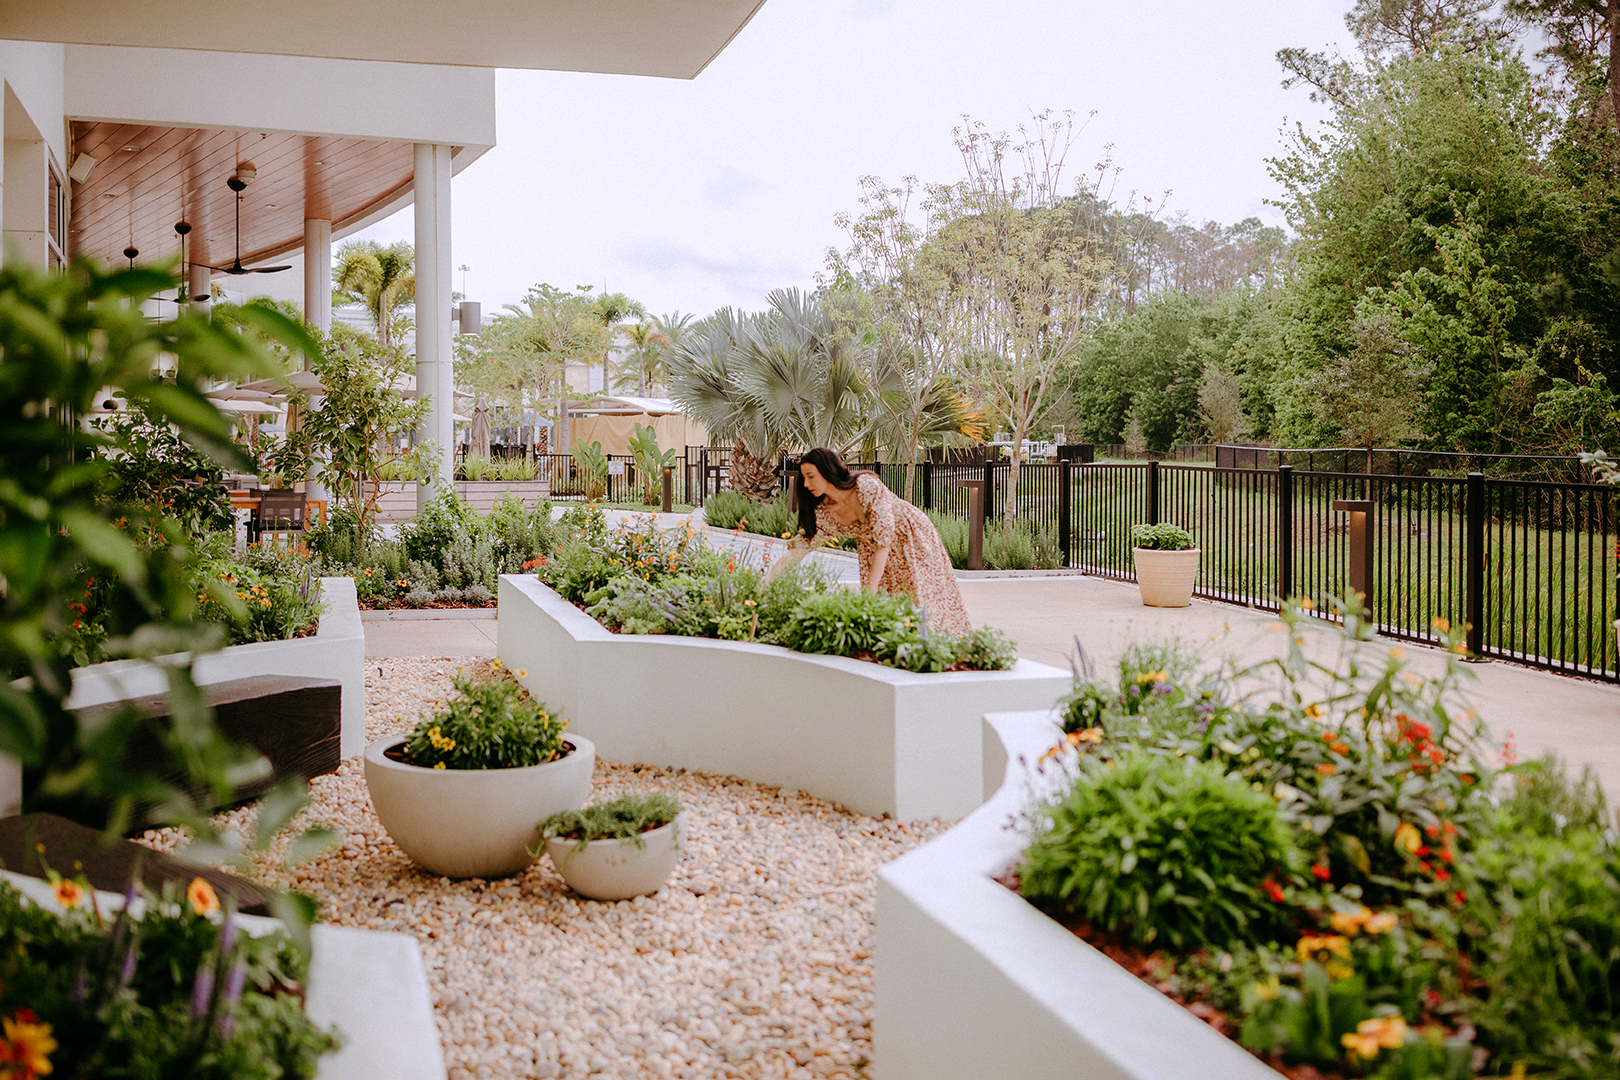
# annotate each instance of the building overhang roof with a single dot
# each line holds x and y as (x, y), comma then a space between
(669, 38)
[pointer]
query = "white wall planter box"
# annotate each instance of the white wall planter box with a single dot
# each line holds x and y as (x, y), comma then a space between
(336, 651)
(878, 740)
(973, 982)
(370, 984)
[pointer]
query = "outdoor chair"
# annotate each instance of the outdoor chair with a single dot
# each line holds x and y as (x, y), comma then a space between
(281, 510)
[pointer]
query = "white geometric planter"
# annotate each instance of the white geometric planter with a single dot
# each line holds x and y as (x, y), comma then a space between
(877, 739)
(619, 869)
(337, 650)
(1166, 578)
(463, 823)
(973, 982)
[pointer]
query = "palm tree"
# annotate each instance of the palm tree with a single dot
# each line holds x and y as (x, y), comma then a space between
(650, 341)
(611, 309)
(382, 278)
(780, 380)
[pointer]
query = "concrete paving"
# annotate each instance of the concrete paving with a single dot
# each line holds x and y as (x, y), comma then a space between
(430, 637)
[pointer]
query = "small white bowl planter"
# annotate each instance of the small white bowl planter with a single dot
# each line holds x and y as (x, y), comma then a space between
(619, 869)
(1166, 577)
(877, 739)
(462, 823)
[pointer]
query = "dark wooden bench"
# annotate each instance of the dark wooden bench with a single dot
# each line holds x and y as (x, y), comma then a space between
(71, 849)
(295, 722)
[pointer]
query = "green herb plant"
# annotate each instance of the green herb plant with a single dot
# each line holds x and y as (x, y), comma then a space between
(627, 817)
(488, 723)
(1162, 537)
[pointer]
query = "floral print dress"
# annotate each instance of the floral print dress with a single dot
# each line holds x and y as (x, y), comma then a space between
(918, 564)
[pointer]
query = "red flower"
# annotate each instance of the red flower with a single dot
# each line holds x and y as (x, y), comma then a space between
(27, 1016)
(1321, 871)
(1431, 831)
(1271, 889)
(1423, 851)
(1460, 896)
(1442, 875)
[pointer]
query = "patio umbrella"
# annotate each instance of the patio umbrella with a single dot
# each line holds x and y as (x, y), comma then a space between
(306, 381)
(243, 406)
(240, 393)
(478, 443)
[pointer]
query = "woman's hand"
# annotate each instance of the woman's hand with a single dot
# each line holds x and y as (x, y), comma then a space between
(795, 554)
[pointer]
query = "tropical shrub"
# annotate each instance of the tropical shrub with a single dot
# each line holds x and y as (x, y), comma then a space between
(1173, 851)
(172, 993)
(488, 723)
(153, 467)
(624, 818)
(593, 468)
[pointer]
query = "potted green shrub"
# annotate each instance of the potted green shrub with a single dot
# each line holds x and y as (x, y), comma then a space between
(1166, 564)
(461, 792)
(616, 850)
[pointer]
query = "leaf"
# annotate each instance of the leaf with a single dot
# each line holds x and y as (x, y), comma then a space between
(297, 913)
(24, 547)
(103, 543)
(279, 328)
(1355, 851)
(276, 811)
(310, 843)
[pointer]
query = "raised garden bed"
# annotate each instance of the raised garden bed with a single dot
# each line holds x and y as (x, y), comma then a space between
(974, 981)
(878, 739)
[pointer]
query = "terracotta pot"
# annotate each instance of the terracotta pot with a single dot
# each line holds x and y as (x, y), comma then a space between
(618, 869)
(464, 823)
(1166, 577)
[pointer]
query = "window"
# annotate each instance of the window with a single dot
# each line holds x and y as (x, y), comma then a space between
(56, 219)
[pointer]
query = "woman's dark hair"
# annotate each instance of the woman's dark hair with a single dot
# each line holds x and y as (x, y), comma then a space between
(833, 470)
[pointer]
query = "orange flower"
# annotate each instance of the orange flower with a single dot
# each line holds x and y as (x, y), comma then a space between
(202, 896)
(68, 893)
(1379, 1033)
(1407, 838)
(1327, 768)
(27, 1047)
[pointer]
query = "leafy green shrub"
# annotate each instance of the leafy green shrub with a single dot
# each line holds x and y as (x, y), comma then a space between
(953, 533)
(1162, 848)
(624, 818)
(851, 622)
(170, 994)
(474, 468)
(592, 465)
(436, 526)
(1162, 537)
(271, 595)
(155, 468)
(490, 723)
(985, 648)
(1008, 550)
(1546, 803)
(733, 510)
(1024, 548)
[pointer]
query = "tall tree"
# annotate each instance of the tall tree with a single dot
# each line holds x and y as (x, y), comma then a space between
(611, 309)
(382, 278)
(1584, 34)
(650, 341)
(1034, 269)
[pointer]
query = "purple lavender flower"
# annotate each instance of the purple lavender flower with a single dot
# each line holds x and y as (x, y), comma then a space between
(127, 974)
(234, 982)
(80, 988)
(202, 991)
(227, 935)
(1163, 689)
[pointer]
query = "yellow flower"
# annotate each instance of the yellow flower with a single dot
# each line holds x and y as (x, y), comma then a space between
(440, 765)
(1407, 838)
(1333, 944)
(1267, 990)
(1091, 735)
(1381, 1032)
(1152, 677)
(1313, 710)
(522, 673)
(202, 896)
(496, 663)
(1306, 603)
(68, 893)
(27, 1048)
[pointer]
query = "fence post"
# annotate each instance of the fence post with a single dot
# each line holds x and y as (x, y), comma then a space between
(989, 484)
(1153, 493)
(1064, 475)
(703, 475)
(669, 488)
(1285, 531)
(1475, 639)
(927, 483)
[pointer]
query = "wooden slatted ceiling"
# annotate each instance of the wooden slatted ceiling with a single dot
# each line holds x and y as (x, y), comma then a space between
(173, 174)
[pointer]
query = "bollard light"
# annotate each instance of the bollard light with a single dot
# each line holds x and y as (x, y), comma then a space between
(1360, 572)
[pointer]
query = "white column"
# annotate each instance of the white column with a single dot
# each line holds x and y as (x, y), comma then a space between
(318, 274)
(435, 369)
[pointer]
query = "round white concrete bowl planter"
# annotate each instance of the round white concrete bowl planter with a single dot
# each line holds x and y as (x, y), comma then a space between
(618, 869)
(463, 823)
(1166, 577)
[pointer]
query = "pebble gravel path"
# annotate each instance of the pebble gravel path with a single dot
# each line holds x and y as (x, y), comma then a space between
(754, 960)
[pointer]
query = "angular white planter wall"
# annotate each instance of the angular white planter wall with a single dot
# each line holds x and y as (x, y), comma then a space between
(336, 651)
(972, 982)
(878, 740)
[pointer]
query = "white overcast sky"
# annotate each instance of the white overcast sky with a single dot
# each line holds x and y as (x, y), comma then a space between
(692, 195)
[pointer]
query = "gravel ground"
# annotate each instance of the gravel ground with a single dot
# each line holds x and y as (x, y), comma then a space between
(755, 960)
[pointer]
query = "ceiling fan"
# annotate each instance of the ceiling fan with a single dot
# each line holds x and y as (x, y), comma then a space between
(238, 183)
(182, 297)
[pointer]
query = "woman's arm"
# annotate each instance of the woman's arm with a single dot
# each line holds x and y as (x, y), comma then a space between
(880, 559)
(795, 555)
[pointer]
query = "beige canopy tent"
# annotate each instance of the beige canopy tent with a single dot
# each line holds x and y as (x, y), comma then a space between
(612, 421)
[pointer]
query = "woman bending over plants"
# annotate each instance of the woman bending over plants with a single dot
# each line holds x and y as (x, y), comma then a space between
(899, 549)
